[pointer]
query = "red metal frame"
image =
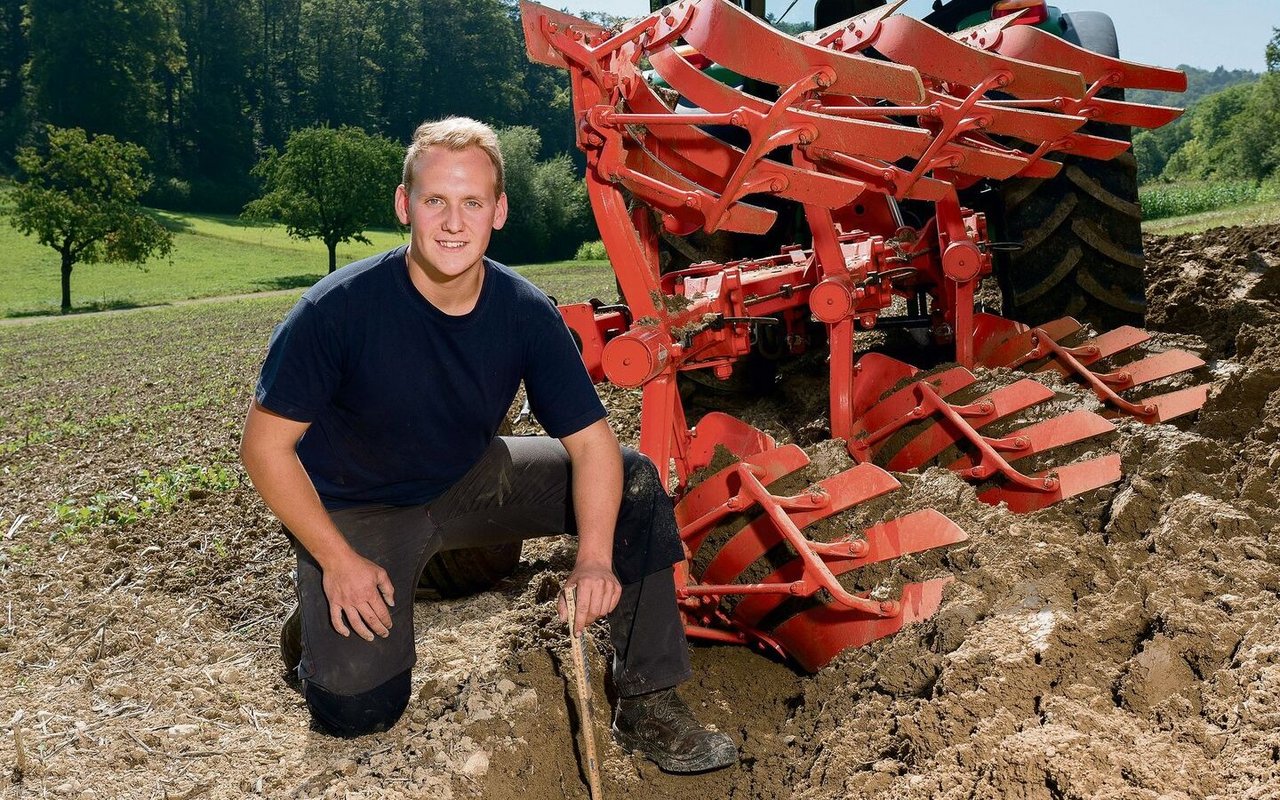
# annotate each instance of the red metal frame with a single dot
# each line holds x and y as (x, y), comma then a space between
(847, 138)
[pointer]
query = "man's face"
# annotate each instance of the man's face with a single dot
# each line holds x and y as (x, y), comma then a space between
(451, 212)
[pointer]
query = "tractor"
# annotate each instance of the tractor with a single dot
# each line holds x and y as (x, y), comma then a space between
(837, 198)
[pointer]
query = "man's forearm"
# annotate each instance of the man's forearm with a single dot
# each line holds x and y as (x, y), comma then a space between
(597, 493)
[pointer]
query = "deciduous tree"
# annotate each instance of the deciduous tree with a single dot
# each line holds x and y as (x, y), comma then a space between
(80, 197)
(329, 184)
(103, 65)
(548, 203)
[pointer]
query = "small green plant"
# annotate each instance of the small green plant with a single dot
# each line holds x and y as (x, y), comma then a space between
(591, 251)
(151, 493)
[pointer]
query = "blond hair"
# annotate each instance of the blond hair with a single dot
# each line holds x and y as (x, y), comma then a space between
(455, 133)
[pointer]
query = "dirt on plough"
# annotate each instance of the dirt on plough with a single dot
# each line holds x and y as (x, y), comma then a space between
(1122, 644)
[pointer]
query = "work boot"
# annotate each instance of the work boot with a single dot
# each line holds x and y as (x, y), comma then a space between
(291, 646)
(662, 728)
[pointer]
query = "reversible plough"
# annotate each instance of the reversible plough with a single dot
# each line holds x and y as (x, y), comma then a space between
(863, 118)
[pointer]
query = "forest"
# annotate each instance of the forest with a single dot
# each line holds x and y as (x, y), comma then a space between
(208, 87)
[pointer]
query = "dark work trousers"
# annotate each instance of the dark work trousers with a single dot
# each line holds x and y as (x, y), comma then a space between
(520, 489)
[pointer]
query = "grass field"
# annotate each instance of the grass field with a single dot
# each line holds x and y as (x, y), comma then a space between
(212, 256)
(1250, 214)
(216, 256)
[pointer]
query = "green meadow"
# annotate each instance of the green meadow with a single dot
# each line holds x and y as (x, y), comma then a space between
(212, 255)
(216, 256)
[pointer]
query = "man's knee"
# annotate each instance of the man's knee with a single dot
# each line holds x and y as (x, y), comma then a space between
(640, 479)
(349, 716)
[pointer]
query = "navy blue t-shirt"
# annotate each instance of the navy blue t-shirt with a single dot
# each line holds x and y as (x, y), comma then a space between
(402, 398)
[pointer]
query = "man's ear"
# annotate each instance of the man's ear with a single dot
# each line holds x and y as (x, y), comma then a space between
(500, 212)
(402, 204)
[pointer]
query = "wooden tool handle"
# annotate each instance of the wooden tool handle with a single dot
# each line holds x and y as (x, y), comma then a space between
(577, 645)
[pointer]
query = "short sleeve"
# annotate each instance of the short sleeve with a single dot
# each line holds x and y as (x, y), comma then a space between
(560, 391)
(302, 369)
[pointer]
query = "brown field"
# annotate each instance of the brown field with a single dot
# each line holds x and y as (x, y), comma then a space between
(1122, 644)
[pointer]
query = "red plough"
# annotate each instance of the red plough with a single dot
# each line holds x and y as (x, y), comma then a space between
(827, 145)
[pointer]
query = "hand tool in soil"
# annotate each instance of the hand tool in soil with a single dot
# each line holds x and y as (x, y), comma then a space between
(807, 158)
(582, 685)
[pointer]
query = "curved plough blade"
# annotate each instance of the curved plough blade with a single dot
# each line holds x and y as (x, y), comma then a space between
(790, 596)
(1003, 343)
(916, 424)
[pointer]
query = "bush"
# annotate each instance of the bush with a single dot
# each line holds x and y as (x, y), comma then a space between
(171, 193)
(1181, 199)
(1269, 191)
(591, 251)
(550, 215)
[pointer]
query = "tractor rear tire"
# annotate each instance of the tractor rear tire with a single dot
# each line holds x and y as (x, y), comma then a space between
(458, 573)
(1081, 231)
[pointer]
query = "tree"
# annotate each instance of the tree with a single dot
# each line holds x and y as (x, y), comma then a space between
(474, 61)
(13, 55)
(81, 199)
(1250, 146)
(341, 44)
(213, 135)
(329, 184)
(548, 203)
(102, 65)
(1273, 51)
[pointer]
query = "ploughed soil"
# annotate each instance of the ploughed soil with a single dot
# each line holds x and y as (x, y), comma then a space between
(1124, 643)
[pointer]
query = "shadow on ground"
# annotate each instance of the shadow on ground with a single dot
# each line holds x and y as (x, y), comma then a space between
(287, 281)
(84, 308)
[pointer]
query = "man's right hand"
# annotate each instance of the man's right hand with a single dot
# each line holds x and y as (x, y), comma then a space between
(360, 591)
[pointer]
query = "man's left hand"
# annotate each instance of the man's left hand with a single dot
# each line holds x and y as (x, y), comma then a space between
(598, 591)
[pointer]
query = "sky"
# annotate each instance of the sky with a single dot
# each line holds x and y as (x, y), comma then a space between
(1228, 33)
